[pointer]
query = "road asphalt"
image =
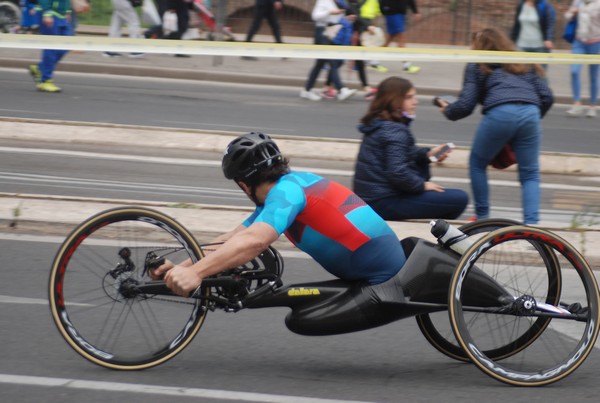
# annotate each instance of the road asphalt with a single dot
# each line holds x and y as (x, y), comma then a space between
(20, 213)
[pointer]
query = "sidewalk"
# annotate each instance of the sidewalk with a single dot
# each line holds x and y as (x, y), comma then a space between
(434, 78)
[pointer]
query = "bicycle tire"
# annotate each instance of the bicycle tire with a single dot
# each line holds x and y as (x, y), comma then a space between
(10, 17)
(87, 302)
(436, 328)
(571, 329)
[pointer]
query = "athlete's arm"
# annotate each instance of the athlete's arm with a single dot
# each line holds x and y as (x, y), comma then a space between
(159, 272)
(242, 247)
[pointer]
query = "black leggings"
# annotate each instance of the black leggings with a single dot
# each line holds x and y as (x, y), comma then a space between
(264, 9)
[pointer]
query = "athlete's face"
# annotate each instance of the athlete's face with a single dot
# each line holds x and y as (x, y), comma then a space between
(259, 194)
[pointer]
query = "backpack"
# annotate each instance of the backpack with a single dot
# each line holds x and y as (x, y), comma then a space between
(370, 10)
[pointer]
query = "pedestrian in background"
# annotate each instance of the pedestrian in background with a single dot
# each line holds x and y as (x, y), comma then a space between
(30, 16)
(392, 173)
(56, 20)
(394, 12)
(265, 9)
(123, 12)
(534, 26)
(369, 11)
(326, 13)
(514, 98)
(587, 42)
(349, 35)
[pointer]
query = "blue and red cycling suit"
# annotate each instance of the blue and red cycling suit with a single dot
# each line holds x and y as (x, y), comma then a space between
(334, 226)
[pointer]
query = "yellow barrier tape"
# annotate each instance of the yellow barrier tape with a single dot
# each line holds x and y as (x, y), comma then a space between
(301, 51)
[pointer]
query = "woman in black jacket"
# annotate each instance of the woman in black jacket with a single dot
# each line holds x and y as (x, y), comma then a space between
(392, 173)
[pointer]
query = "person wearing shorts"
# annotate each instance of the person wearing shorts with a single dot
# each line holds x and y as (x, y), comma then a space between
(394, 12)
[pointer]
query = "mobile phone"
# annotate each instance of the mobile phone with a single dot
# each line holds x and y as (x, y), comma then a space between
(444, 150)
(448, 98)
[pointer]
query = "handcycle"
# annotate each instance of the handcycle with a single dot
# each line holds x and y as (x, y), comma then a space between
(523, 304)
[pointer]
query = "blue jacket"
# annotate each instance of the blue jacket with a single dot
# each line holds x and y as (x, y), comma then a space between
(499, 87)
(547, 16)
(58, 8)
(389, 163)
(344, 35)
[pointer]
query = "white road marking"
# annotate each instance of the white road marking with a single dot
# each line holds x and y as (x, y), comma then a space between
(162, 390)
(217, 164)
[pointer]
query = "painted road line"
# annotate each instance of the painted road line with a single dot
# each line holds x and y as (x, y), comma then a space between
(162, 390)
(217, 164)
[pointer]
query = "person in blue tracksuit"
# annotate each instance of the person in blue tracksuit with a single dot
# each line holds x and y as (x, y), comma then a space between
(56, 20)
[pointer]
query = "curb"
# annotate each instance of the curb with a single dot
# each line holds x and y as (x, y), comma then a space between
(216, 141)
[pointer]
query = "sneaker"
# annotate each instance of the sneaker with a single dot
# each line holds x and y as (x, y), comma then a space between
(591, 113)
(252, 58)
(48, 86)
(576, 110)
(379, 68)
(136, 55)
(345, 93)
(310, 95)
(35, 73)
(329, 94)
(370, 95)
(111, 54)
(411, 68)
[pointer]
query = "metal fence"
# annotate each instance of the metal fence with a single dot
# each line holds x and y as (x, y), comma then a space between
(444, 22)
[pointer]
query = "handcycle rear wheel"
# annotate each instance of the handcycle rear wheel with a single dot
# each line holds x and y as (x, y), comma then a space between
(92, 290)
(436, 328)
(570, 327)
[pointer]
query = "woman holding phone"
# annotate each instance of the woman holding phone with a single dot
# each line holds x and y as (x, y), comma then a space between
(392, 173)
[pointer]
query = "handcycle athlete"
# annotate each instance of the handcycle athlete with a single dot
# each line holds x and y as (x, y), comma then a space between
(321, 217)
(523, 304)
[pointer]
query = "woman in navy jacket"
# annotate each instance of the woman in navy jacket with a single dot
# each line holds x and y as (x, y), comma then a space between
(514, 98)
(392, 173)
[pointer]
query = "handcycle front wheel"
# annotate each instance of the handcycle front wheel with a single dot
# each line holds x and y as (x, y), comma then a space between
(436, 327)
(92, 290)
(512, 258)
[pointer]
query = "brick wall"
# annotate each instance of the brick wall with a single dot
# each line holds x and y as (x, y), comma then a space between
(447, 22)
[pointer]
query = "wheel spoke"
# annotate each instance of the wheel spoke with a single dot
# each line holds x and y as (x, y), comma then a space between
(91, 286)
(537, 269)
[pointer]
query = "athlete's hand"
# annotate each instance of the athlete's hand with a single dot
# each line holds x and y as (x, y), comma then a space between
(159, 272)
(182, 280)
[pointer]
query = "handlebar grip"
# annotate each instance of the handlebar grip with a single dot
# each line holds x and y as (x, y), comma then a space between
(155, 263)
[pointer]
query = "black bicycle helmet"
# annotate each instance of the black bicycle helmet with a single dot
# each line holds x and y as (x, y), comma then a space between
(245, 155)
